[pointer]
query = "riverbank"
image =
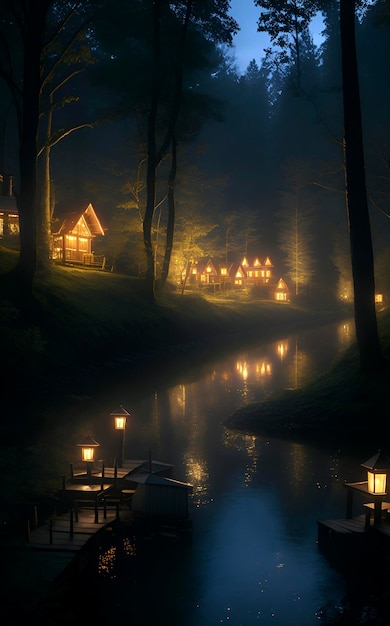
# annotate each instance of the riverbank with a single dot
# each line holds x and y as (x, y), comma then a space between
(345, 407)
(89, 326)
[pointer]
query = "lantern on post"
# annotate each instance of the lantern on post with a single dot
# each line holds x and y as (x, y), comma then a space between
(378, 466)
(88, 446)
(120, 421)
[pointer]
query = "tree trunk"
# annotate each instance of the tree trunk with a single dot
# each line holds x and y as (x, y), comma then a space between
(26, 198)
(44, 209)
(151, 159)
(362, 258)
(171, 217)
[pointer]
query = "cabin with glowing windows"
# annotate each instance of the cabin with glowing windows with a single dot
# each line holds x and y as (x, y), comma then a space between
(249, 273)
(9, 217)
(72, 236)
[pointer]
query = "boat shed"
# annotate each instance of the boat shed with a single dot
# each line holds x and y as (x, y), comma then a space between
(158, 496)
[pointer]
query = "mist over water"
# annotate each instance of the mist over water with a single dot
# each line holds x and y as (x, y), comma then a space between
(252, 556)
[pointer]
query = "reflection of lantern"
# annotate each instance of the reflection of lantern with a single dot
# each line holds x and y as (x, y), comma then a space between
(377, 467)
(88, 446)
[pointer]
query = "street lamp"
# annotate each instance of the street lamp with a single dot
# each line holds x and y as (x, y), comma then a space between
(88, 446)
(120, 420)
(378, 466)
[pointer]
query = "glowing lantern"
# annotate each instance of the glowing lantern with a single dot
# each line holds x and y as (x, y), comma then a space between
(88, 446)
(120, 420)
(377, 467)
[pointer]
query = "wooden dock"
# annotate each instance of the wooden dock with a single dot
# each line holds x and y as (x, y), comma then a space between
(92, 501)
(349, 540)
(65, 533)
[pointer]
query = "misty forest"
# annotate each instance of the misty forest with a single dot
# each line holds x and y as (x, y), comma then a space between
(137, 113)
(140, 110)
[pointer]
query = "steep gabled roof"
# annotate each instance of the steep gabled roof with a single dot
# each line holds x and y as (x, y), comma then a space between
(68, 220)
(204, 263)
(281, 284)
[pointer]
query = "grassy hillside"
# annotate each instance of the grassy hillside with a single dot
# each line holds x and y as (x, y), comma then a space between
(90, 322)
(86, 318)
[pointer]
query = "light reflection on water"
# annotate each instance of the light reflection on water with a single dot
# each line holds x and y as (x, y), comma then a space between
(252, 557)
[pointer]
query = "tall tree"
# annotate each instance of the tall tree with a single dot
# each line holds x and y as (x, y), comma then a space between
(25, 23)
(212, 20)
(362, 257)
(296, 228)
(286, 21)
(63, 59)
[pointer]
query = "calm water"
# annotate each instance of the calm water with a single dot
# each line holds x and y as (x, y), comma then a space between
(252, 557)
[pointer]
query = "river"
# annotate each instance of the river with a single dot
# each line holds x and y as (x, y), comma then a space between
(252, 557)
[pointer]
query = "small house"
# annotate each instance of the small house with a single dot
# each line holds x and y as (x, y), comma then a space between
(72, 236)
(258, 273)
(204, 272)
(9, 217)
(281, 293)
(158, 496)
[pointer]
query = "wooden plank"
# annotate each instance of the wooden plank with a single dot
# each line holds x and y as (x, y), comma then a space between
(58, 535)
(345, 526)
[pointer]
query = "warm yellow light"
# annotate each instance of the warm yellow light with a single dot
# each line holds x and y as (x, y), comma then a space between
(120, 422)
(376, 482)
(87, 454)
(378, 298)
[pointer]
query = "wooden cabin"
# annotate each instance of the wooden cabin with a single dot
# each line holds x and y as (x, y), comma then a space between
(281, 292)
(250, 273)
(258, 273)
(72, 236)
(9, 218)
(203, 272)
(157, 496)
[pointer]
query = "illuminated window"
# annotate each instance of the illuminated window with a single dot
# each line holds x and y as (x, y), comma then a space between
(83, 244)
(208, 269)
(378, 298)
(281, 296)
(223, 271)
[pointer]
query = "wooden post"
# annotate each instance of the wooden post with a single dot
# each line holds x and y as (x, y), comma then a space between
(115, 471)
(35, 516)
(76, 511)
(71, 528)
(51, 531)
(96, 512)
(71, 473)
(377, 511)
(102, 474)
